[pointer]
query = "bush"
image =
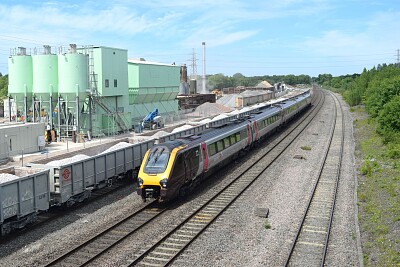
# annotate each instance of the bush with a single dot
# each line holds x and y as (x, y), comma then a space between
(370, 166)
(389, 116)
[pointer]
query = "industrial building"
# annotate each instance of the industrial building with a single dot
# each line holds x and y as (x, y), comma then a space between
(89, 91)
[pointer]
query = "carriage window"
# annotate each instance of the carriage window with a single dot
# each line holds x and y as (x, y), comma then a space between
(233, 139)
(211, 149)
(226, 142)
(237, 137)
(243, 133)
(220, 146)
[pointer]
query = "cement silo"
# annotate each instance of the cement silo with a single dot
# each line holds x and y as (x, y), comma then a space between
(45, 85)
(73, 73)
(73, 86)
(45, 74)
(20, 81)
(20, 73)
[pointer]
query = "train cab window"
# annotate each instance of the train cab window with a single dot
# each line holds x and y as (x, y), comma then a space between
(233, 139)
(220, 146)
(226, 142)
(157, 160)
(211, 149)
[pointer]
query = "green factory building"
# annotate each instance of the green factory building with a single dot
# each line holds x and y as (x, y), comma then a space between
(91, 90)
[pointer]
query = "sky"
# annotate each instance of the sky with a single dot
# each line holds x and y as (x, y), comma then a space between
(254, 38)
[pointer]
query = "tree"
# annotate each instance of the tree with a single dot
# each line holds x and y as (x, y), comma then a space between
(3, 87)
(389, 116)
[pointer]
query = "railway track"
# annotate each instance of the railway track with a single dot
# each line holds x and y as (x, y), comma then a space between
(173, 243)
(108, 238)
(312, 238)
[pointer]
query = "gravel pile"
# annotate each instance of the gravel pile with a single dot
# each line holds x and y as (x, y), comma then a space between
(205, 120)
(159, 134)
(66, 161)
(210, 109)
(181, 128)
(220, 116)
(6, 177)
(116, 147)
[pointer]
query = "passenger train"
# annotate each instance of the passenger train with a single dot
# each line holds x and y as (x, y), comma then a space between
(174, 168)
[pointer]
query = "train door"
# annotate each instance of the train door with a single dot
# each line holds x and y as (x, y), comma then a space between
(205, 156)
(191, 161)
(249, 134)
(256, 131)
(282, 115)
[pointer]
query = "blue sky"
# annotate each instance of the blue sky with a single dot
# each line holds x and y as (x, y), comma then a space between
(250, 37)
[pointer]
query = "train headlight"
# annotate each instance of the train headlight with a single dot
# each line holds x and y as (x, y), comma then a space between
(140, 182)
(163, 183)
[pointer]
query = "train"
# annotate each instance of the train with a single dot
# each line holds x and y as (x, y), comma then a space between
(64, 181)
(175, 167)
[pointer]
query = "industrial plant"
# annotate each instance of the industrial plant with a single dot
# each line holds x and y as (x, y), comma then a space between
(90, 90)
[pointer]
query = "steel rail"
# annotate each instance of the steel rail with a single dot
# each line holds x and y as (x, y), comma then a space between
(310, 202)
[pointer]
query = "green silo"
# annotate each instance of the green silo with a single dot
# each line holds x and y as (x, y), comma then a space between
(73, 74)
(45, 75)
(20, 78)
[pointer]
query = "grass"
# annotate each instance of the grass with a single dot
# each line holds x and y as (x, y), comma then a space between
(267, 225)
(305, 148)
(378, 194)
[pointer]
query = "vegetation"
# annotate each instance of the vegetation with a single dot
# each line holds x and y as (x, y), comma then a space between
(3, 87)
(305, 148)
(379, 90)
(219, 81)
(378, 194)
(377, 93)
(267, 225)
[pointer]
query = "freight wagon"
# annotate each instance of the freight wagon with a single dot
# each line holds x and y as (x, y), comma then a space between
(23, 193)
(72, 179)
(64, 180)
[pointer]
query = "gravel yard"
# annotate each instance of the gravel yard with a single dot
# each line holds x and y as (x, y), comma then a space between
(238, 238)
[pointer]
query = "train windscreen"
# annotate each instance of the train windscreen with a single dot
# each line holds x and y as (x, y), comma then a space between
(157, 160)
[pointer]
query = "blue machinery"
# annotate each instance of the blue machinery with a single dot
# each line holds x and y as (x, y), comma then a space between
(151, 121)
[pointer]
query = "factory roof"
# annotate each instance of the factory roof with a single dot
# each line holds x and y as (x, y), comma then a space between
(144, 62)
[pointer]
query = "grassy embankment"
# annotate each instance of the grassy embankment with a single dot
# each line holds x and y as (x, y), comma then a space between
(378, 193)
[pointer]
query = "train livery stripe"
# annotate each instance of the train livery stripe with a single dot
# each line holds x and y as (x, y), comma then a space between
(248, 135)
(256, 129)
(205, 156)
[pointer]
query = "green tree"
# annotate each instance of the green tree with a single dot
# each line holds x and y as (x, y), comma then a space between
(389, 116)
(3, 87)
(380, 94)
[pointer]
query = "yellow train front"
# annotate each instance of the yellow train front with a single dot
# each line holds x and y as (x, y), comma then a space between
(156, 172)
